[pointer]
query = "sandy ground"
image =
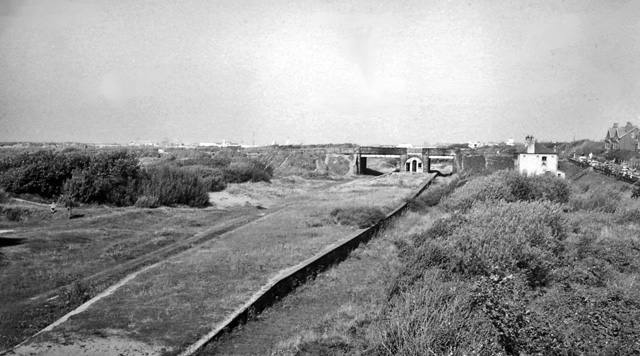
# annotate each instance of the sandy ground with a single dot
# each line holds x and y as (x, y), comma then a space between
(113, 346)
(224, 200)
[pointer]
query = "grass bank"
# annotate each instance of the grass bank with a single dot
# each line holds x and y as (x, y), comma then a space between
(529, 267)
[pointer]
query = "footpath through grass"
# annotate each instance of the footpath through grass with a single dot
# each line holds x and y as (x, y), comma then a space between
(170, 306)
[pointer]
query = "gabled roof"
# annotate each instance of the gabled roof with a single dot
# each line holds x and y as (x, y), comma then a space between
(620, 132)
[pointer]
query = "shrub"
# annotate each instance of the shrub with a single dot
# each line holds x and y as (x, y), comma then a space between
(108, 178)
(605, 200)
(213, 177)
(147, 202)
(489, 188)
(361, 217)
(175, 186)
(628, 211)
(509, 186)
(16, 213)
(248, 171)
(4, 197)
(42, 173)
(436, 317)
(519, 237)
(539, 187)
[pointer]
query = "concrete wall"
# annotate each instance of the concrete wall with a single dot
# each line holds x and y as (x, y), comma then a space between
(472, 163)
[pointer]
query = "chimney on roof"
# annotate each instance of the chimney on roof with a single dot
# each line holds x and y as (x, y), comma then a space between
(615, 125)
(531, 144)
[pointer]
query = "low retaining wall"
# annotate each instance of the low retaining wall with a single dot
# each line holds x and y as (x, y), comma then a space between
(288, 279)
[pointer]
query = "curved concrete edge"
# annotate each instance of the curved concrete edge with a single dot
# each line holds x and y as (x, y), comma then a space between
(288, 279)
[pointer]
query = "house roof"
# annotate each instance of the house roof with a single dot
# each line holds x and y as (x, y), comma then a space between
(539, 148)
(620, 131)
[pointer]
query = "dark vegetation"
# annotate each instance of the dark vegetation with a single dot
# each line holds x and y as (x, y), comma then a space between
(511, 273)
(115, 177)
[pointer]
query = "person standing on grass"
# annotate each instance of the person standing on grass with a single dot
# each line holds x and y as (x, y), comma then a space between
(68, 204)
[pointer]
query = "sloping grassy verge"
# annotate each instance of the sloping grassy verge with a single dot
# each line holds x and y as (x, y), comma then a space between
(510, 272)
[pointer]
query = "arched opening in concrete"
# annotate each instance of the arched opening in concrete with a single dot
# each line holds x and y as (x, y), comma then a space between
(414, 164)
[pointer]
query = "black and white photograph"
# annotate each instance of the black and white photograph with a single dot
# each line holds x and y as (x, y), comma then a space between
(319, 177)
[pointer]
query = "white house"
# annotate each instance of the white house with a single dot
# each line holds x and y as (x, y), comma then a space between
(537, 159)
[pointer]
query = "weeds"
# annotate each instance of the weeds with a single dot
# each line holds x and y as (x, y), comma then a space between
(361, 217)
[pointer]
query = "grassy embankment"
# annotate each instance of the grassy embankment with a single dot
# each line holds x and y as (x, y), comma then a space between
(175, 303)
(515, 266)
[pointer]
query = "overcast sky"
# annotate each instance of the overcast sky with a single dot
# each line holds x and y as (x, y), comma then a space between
(317, 71)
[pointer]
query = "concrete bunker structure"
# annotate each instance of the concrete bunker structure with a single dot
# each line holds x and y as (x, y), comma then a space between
(415, 160)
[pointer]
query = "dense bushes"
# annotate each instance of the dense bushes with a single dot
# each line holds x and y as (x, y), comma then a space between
(173, 186)
(42, 173)
(247, 171)
(115, 177)
(230, 167)
(520, 267)
(106, 178)
(508, 186)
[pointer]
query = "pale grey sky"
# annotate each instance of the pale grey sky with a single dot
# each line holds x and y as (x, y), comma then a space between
(317, 71)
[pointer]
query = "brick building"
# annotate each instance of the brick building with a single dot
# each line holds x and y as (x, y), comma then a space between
(622, 138)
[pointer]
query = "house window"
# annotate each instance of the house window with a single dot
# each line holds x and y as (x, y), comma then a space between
(544, 160)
